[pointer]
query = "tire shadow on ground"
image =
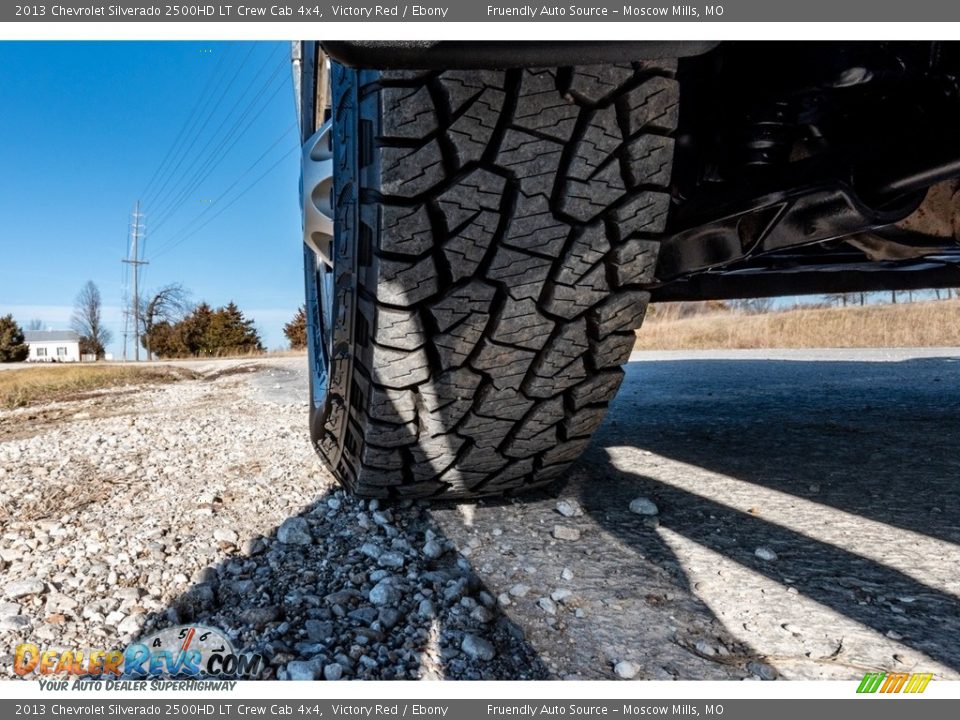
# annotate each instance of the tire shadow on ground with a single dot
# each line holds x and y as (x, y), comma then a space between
(375, 590)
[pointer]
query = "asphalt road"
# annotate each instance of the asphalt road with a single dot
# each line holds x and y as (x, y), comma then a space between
(843, 463)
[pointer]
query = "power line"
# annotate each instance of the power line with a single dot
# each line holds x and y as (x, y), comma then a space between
(159, 194)
(230, 187)
(203, 99)
(220, 152)
(228, 205)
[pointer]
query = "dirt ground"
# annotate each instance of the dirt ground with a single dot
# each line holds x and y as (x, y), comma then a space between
(799, 518)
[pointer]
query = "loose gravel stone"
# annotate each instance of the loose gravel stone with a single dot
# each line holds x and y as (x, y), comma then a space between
(432, 549)
(765, 553)
(304, 669)
(384, 593)
(477, 648)
(547, 605)
(332, 671)
(519, 590)
(294, 531)
(22, 588)
(569, 508)
(225, 535)
(626, 670)
(643, 506)
(762, 670)
(561, 532)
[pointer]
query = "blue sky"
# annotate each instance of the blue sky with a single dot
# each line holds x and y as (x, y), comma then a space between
(88, 130)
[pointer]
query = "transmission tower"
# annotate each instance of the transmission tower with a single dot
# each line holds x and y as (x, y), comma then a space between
(136, 233)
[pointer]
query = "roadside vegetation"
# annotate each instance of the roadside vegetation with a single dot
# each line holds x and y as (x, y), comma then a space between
(706, 326)
(49, 383)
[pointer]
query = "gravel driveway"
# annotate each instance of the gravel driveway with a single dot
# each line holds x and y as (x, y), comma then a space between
(737, 516)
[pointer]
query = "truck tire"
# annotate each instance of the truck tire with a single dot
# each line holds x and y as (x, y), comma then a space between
(494, 235)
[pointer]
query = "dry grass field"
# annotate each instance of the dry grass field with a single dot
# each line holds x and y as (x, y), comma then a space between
(32, 385)
(920, 324)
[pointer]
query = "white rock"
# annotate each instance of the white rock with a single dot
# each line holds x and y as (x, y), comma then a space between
(477, 648)
(384, 593)
(294, 531)
(643, 506)
(519, 590)
(765, 553)
(569, 508)
(547, 605)
(561, 532)
(225, 535)
(131, 624)
(626, 669)
(303, 670)
(22, 588)
(432, 549)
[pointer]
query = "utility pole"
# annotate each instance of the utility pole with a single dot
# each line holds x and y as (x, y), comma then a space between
(136, 229)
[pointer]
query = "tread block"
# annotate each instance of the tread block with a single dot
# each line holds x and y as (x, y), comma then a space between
(634, 262)
(533, 225)
(594, 149)
(450, 395)
(470, 133)
(583, 422)
(614, 350)
(405, 230)
(471, 210)
(538, 430)
(586, 199)
(506, 404)
(540, 106)
(564, 452)
(460, 303)
(655, 104)
(592, 83)
(598, 388)
(464, 86)
(394, 406)
(511, 477)
(399, 368)
(621, 311)
(486, 432)
(381, 458)
(389, 435)
(407, 112)
(398, 329)
(647, 160)
(506, 365)
(481, 460)
(560, 364)
(523, 274)
(406, 283)
(644, 212)
(406, 172)
(520, 323)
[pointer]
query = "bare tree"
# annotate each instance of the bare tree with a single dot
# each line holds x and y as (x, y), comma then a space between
(168, 305)
(35, 324)
(87, 321)
(753, 306)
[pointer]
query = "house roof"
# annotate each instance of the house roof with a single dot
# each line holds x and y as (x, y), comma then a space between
(51, 336)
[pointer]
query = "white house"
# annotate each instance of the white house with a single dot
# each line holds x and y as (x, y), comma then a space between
(53, 345)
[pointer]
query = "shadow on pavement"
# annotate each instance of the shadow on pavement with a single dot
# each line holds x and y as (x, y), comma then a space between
(876, 440)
